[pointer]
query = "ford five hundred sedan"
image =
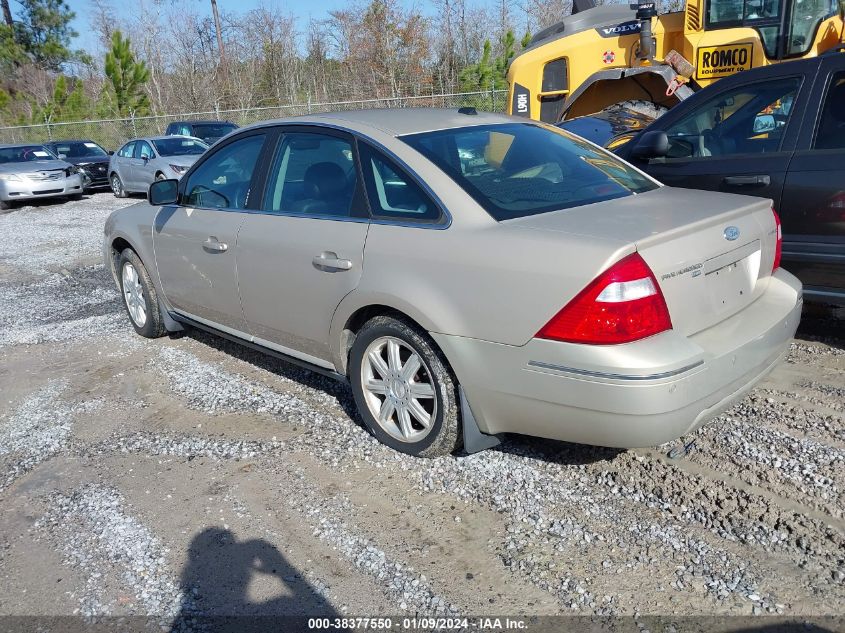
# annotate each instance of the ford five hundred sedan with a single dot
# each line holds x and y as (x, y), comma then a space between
(469, 275)
(31, 171)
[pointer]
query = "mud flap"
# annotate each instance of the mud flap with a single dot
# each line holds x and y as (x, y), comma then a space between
(474, 440)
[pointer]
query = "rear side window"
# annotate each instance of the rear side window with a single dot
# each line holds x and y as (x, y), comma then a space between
(312, 174)
(518, 169)
(392, 193)
(831, 132)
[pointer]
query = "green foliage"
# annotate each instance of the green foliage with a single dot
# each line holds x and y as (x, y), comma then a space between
(12, 54)
(490, 73)
(43, 31)
(125, 94)
(68, 103)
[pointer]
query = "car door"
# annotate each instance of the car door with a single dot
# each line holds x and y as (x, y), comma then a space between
(122, 160)
(195, 241)
(143, 168)
(305, 251)
(740, 140)
(813, 208)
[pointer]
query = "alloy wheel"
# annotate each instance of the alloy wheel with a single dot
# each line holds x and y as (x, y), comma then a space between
(133, 294)
(399, 389)
(116, 185)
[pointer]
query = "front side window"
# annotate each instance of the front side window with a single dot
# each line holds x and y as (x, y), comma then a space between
(392, 193)
(127, 150)
(143, 150)
(831, 131)
(746, 120)
(179, 146)
(223, 180)
(518, 169)
(312, 173)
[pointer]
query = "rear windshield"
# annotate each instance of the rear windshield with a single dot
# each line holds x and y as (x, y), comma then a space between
(212, 130)
(79, 149)
(518, 169)
(179, 146)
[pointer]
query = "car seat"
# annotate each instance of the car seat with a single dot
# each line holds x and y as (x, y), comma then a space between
(326, 190)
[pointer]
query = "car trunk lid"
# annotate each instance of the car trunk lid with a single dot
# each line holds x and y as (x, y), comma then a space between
(711, 253)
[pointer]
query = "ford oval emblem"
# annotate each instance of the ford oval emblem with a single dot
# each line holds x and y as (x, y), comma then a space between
(731, 233)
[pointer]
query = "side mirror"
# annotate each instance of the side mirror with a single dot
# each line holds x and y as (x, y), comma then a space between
(62, 156)
(764, 123)
(163, 192)
(652, 144)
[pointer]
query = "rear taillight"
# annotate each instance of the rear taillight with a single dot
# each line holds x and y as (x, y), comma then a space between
(621, 305)
(778, 242)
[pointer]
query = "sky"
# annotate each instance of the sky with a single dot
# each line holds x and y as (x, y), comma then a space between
(302, 9)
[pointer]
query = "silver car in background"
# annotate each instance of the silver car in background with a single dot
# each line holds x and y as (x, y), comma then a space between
(142, 161)
(29, 171)
(468, 274)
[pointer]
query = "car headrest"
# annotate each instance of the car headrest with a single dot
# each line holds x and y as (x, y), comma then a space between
(325, 180)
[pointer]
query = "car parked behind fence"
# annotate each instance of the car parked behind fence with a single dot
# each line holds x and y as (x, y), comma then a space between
(91, 158)
(31, 171)
(142, 161)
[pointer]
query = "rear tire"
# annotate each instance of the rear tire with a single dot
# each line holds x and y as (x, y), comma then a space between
(117, 186)
(139, 295)
(647, 108)
(5, 205)
(409, 386)
(76, 196)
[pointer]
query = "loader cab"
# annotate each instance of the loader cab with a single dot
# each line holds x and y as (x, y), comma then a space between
(787, 28)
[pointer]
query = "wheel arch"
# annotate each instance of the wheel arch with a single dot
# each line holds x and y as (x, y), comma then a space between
(348, 321)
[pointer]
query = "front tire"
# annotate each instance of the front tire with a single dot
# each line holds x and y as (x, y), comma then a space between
(139, 295)
(117, 186)
(404, 389)
(5, 205)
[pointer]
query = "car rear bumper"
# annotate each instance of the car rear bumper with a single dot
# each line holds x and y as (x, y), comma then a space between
(639, 394)
(11, 190)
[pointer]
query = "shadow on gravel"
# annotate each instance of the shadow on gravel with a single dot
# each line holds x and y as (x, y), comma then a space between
(232, 585)
(823, 323)
(305, 377)
(41, 203)
(551, 451)
(557, 452)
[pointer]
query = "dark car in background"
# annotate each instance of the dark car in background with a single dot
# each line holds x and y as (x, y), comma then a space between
(90, 157)
(208, 131)
(776, 132)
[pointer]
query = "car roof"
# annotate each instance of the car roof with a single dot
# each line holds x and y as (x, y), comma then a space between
(201, 121)
(71, 140)
(163, 137)
(14, 145)
(397, 121)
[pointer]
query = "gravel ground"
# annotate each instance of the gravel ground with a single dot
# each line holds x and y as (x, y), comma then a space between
(188, 476)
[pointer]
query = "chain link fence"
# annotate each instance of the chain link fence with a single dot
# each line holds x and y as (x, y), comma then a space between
(112, 133)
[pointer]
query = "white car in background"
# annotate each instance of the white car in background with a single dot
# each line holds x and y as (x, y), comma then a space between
(29, 171)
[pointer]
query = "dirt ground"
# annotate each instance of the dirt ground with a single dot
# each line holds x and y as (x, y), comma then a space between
(187, 475)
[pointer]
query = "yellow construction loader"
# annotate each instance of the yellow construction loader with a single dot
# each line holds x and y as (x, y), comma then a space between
(603, 56)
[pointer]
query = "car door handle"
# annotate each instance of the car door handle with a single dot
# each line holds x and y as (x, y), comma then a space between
(750, 181)
(328, 261)
(213, 245)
